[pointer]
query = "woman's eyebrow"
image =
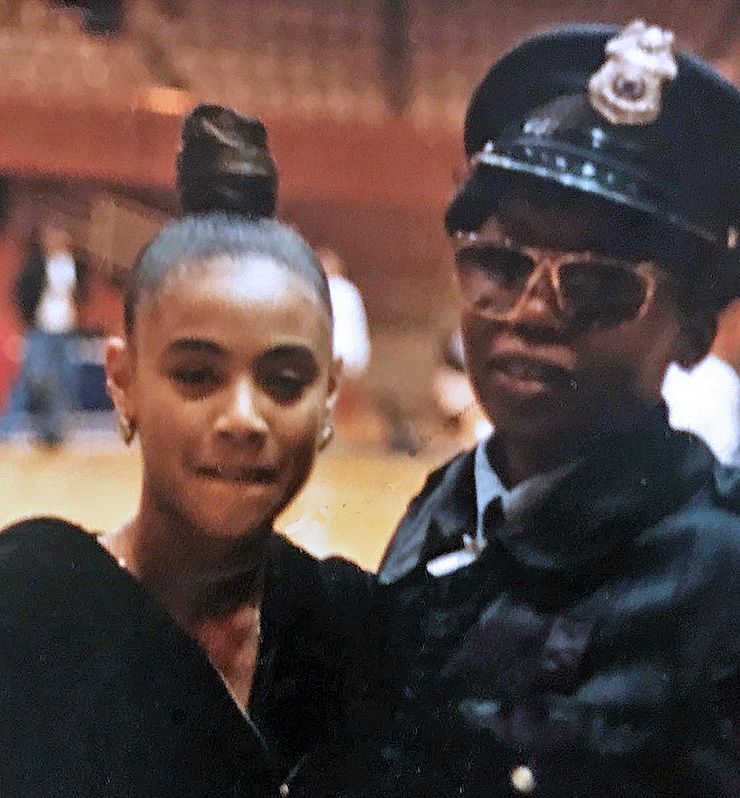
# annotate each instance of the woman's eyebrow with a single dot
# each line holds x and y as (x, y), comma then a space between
(196, 345)
(290, 350)
(291, 355)
(297, 354)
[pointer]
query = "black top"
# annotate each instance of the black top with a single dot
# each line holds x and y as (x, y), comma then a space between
(102, 695)
(591, 652)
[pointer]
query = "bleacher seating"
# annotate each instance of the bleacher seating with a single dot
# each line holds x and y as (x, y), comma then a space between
(45, 52)
(317, 58)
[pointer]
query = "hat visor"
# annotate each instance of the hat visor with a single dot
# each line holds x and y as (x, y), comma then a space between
(555, 177)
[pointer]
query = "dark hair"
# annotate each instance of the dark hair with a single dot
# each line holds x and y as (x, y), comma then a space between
(225, 164)
(195, 239)
(228, 188)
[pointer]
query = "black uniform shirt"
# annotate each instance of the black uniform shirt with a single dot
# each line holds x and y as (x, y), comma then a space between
(592, 650)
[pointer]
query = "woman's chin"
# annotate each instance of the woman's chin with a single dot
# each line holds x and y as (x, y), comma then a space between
(231, 523)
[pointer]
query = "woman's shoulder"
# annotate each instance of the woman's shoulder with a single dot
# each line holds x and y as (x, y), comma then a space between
(46, 576)
(42, 524)
(51, 570)
(300, 588)
(331, 577)
(41, 539)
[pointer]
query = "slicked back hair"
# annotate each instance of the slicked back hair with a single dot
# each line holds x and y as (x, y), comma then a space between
(200, 238)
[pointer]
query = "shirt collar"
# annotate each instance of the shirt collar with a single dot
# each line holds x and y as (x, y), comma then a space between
(521, 500)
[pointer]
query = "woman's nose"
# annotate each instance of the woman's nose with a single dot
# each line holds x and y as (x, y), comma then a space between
(241, 416)
(539, 301)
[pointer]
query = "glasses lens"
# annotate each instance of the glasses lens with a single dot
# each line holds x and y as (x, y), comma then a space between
(493, 278)
(602, 293)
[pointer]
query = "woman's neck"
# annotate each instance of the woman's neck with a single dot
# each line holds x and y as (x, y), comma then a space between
(194, 577)
(517, 458)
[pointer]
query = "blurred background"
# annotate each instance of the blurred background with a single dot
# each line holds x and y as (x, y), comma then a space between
(364, 104)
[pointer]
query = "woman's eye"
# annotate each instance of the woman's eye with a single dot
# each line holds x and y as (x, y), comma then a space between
(194, 377)
(286, 387)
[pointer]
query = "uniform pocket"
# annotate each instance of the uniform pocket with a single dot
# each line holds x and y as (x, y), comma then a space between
(516, 649)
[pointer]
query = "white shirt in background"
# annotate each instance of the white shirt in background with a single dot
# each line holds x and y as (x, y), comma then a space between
(705, 400)
(351, 333)
(56, 311)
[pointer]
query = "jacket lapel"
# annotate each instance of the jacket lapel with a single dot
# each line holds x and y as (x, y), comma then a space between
(435, 521)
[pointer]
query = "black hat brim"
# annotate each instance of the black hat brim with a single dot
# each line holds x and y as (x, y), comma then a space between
(612, 223)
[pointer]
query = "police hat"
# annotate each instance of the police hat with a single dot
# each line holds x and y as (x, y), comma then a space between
(616, 119)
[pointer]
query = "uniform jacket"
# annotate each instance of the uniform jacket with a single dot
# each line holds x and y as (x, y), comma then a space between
(591, 651)
(103, 696)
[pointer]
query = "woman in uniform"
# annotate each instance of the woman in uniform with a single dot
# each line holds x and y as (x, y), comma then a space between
(560, 605)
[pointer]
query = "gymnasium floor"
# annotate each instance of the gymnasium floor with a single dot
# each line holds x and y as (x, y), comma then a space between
(350, 506)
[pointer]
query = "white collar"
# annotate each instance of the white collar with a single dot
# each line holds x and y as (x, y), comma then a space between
(523, 499)
(519, 501)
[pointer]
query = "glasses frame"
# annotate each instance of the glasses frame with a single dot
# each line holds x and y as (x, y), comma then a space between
(551, 262)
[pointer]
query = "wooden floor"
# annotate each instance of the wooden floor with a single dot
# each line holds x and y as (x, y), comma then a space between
(350, 506)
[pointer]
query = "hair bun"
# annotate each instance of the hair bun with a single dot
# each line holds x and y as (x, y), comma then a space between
(225, 164)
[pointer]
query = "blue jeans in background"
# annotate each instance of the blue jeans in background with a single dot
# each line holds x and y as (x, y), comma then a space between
(45, 391)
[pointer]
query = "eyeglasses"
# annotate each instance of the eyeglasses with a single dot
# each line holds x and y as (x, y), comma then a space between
(590, 290)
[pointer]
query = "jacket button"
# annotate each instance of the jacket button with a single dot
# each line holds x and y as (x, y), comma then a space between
(284, 790)
(522, 779)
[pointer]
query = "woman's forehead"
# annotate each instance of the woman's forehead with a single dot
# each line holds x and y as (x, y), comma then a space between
(554, 226)
(235, 299)
(246, 279)
(251, 277)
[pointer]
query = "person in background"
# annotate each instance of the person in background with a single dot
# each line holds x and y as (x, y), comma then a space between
(194, 652)
(351, 342)
(351, 332)
(51, 284)
(705, 399)
(557, 613)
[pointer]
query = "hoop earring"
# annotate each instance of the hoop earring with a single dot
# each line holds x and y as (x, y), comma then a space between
(327, 435)
(127, 428)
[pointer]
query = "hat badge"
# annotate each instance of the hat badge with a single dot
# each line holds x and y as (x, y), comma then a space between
(627, 88)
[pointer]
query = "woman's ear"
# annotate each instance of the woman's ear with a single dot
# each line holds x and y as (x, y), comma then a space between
(335, 384)
(695, 339)
(327, 428)
(119, 373)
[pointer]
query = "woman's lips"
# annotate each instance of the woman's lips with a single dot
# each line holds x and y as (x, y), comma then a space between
(249, 475)
(531, 374)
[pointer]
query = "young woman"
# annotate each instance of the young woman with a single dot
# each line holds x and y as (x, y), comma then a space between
(194, 652)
